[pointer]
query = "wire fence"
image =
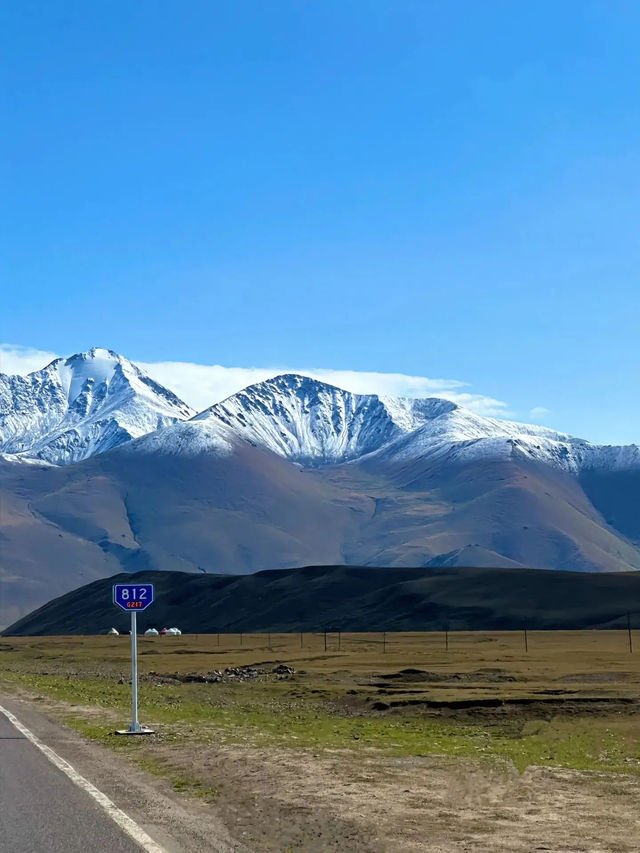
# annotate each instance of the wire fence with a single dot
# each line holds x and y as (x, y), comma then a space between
(619, 640)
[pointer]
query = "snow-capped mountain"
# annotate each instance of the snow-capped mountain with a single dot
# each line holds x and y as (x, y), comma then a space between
(462, 436)
(92, 402)
(314, 423)
(83, 405)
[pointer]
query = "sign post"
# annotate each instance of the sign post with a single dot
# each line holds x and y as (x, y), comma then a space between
(133, 598)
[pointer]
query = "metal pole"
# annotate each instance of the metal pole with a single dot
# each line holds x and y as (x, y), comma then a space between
(135, 725)
(629, 632)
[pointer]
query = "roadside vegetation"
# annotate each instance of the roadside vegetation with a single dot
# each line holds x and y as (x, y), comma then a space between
(336, 701)
(566, 700)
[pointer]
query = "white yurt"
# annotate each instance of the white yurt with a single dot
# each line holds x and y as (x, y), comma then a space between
(173, 632)
(151, 632)
(114, 632)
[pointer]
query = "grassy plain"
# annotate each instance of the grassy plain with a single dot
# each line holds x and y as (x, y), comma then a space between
(363, 718)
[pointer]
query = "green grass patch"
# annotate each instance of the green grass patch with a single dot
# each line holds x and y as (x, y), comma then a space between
(258, 715)
(134, 749)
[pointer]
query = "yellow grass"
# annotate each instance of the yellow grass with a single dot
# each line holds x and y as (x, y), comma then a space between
(602, 657)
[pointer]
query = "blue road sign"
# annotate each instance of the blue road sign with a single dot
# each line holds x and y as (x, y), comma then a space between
(133, 597)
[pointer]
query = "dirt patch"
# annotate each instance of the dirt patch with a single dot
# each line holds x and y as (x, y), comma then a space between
(485, 676)
(556, 704)
(342, 803)
(596, 677)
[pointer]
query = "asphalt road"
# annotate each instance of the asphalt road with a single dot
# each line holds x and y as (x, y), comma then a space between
(42, 811)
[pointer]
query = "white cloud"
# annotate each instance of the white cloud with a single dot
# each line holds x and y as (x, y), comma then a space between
(538, 412)
(202, 385)
(23, 360)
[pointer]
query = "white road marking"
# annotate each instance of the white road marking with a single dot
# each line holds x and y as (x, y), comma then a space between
(123, 820)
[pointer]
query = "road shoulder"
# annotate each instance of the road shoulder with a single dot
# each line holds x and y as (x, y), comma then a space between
(177, 824)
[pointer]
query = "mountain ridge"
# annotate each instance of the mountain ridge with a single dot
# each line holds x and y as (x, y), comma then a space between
(349, 598)
(313, 422)
(291, 472)
(92, 402)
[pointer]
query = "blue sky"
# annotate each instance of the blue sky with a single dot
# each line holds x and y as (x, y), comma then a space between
(428, 189)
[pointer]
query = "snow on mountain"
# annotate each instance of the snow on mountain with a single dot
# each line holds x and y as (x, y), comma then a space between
(186, 438)
(92, 402)
(314, 423)
(83, 405)
(462, 436)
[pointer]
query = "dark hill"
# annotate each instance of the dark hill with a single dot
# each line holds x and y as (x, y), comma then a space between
(350, 598)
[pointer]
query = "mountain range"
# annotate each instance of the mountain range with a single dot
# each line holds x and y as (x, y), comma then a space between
(104, 470)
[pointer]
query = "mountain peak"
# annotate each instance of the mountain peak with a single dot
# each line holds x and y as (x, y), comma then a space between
(296, 383)
(96, 364)
(313, 422)
(98, 352)
(292, 379)
(82, 405)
